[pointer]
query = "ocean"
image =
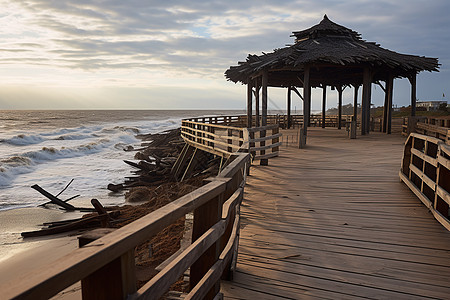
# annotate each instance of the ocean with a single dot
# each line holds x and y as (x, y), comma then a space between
(50, 148)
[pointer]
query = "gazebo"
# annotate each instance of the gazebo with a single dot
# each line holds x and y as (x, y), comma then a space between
(329, 54)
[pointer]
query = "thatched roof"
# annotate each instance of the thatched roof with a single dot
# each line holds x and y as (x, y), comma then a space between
(337, 56)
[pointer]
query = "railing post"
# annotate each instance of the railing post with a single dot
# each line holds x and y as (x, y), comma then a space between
(275, 140)
(241, 136)
(204, 217)
(211, 130)
(230, 141)
(116, 280)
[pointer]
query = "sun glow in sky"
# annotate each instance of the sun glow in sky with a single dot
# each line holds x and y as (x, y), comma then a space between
(141, 54)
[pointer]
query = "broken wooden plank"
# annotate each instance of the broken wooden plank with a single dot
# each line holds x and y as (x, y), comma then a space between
(53, 198)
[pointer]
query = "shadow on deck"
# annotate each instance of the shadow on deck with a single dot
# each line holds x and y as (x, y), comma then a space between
(333, 221)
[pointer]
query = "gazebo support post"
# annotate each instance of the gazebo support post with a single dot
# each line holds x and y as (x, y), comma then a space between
(265, 80)
(389, 93)
(289, 100)
(249, 103)
(339, 90)
(365, 112)
(355, 104)
(257, 114)
(386, 106)
(307, 100)
(413, 81)
(324, 103)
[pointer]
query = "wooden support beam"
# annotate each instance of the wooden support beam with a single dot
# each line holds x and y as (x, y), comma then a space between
(389, 92)
(386, 106)
(413, 81)
(365, 108)
(369, 102)
(257, 113)
(339, 90)
(115, 280)
(204, 218)
(324, 103)
(355, 104)
(265, 80)
(289, 104)
(307, 99)
(297, 92)
(192, 164)
(249, 103)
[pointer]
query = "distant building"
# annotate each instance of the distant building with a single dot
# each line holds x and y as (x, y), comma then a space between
(431, 105)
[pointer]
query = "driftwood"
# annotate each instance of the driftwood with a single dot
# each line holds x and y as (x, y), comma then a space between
(103, 218)
(53, 199)
(66, 226)
(63, 203)
(157, 160)
(101, 212)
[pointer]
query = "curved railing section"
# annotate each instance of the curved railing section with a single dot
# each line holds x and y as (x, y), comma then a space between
(426, 171)
(226, 140)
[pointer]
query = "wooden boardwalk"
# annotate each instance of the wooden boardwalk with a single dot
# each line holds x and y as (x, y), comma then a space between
(333, 221)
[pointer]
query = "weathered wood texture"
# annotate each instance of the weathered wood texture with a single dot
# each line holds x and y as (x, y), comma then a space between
(227, 140)
(425, 170)
(109, 260)
(333, 221)
(438, 127)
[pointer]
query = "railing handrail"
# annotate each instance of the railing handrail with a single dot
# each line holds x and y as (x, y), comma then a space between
(78, 264)
(424, 125)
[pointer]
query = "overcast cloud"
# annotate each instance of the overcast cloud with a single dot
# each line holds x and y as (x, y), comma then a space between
(158, 47)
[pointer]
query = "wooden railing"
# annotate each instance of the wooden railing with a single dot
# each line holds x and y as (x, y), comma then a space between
(438, 127)
(225, 140)
(426, 171)
(109, 260)
(281, 120)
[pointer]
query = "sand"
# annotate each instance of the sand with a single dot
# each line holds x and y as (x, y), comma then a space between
(16, 252)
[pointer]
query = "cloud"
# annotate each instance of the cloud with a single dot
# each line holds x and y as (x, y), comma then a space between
(197, 39)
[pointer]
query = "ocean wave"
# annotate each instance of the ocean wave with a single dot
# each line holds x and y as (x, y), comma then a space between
(23, 140)
(26, 162)
(73, 137)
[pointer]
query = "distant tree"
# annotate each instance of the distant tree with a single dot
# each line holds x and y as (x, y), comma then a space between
(443, 106)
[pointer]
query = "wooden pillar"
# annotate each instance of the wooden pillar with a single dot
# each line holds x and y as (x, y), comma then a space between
(306, 100)
(339, 90)
(369, 103)
(413, 81)
(206, 216)
(257, 113)
(249, 103)
(324, 104)
(389, 92)
(265, 79)
(386, 106)
(115, 280)
(289, 102)
(355, 104)
(365, 111)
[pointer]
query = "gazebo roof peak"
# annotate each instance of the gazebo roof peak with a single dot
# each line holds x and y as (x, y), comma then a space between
(326, 27)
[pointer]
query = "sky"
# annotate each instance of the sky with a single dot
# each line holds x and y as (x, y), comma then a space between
(146, 54)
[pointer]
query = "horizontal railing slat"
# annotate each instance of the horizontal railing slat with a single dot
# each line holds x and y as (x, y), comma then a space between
(265, 147)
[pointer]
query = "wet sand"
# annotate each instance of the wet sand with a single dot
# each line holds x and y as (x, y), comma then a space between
(16, 252)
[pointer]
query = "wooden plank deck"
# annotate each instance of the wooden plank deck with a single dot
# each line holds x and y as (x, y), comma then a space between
(333, 221)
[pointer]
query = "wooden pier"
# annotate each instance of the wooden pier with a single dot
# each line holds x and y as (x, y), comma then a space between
(333, 221)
